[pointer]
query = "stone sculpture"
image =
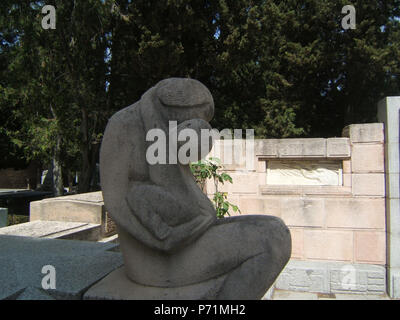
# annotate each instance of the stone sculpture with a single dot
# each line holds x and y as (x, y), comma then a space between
(172, 243)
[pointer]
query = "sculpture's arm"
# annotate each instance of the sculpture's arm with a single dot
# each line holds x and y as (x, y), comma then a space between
(139, 210)
(164, 217)
(116, 159)
(184, 234)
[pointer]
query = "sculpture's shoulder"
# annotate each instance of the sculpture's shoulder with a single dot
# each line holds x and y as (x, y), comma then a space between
(124, 129)
(129, 117)
(123, 145)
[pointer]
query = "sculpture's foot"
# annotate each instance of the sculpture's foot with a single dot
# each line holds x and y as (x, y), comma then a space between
(117, 286)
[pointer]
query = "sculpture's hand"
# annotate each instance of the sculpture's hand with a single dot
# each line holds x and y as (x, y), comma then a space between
(186, 233)
(163, 215)
(155, 225)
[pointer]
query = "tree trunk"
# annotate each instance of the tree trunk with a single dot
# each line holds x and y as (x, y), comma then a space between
(89, 156)
(70, 180)
(58, 186)
(86, 171)
(85, 176)
(39, 171)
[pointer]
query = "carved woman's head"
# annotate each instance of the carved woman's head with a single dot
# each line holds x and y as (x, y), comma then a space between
(185, 99)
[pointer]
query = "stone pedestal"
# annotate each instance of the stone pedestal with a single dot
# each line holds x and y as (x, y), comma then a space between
(3, 217)
(86, 208)
(388, 112)
(117, 286)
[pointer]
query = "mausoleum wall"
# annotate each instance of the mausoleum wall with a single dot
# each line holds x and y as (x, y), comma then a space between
(330, 192)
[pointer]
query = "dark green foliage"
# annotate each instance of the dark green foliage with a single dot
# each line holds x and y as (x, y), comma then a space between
(16, 219)
(284, 68)
(53, 89)
(287, 68)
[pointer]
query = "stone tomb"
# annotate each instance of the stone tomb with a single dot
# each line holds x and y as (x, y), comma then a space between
(86, 208)
(3, 217)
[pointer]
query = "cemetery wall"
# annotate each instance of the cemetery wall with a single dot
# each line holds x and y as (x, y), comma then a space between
(331, 195)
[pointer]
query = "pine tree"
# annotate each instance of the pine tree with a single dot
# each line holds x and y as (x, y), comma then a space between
(285, 68)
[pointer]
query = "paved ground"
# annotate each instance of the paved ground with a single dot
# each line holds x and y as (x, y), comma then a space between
(293, 295)
(77, 265)
(80, 264)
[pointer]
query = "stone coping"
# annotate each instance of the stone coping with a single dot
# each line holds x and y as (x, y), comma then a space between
(339, 191)
(305, 148)
(93, 197)
(12, 190)
(45, 229)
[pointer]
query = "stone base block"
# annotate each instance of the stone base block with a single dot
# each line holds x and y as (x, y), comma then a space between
(332, 277)
(117, 286)
(394, 283)
(55, 230)
(3, 217)
(85, 208)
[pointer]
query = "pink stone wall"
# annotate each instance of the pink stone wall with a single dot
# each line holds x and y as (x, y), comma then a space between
(332, 223)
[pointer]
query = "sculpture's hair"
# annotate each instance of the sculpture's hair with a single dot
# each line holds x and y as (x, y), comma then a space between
(184, 93)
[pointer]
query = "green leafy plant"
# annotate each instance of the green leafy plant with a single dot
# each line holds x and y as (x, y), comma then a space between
(211, 169)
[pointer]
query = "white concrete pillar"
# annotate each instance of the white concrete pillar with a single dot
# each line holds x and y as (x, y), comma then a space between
(389, 114)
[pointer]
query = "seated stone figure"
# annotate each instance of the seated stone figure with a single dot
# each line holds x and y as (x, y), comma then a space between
(173, 245)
